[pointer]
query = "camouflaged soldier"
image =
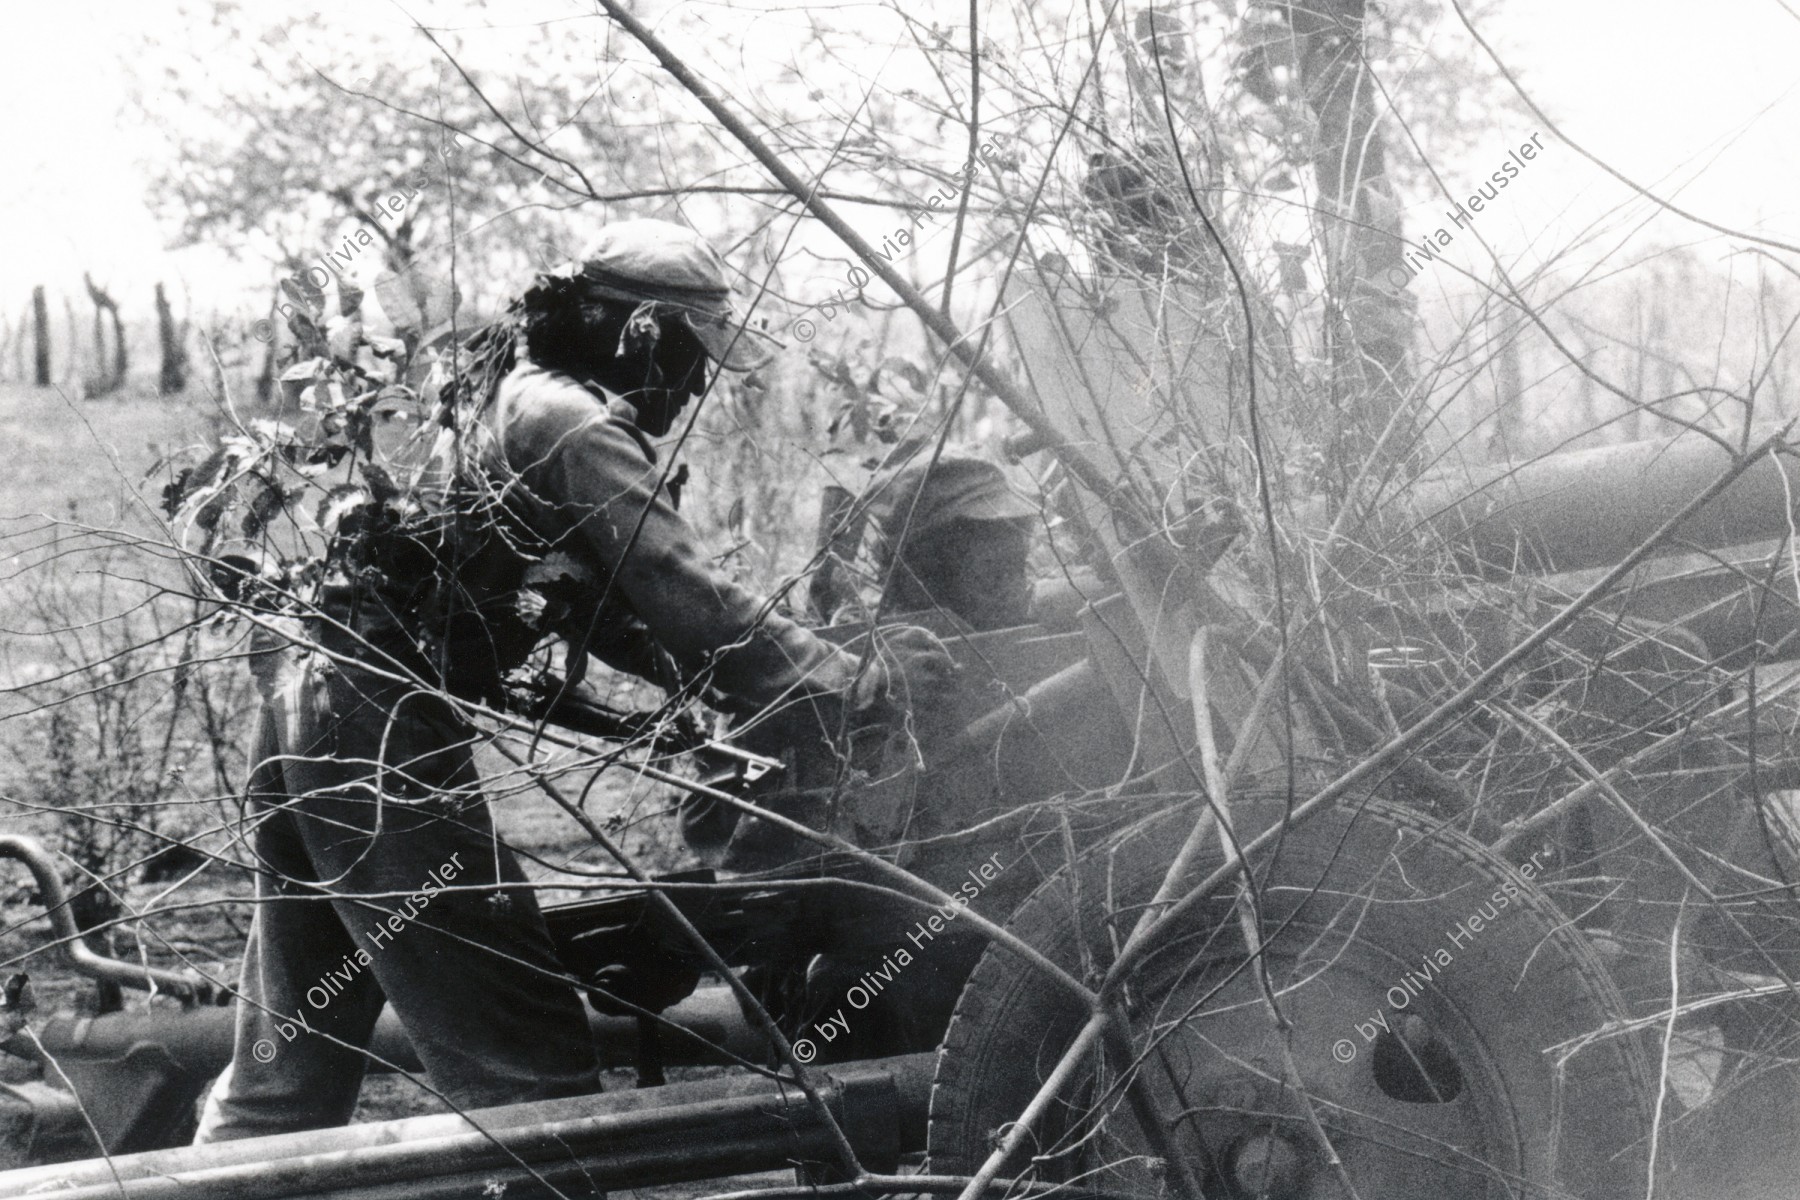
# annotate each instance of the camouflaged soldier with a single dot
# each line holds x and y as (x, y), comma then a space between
(953, 536)
(555, 520)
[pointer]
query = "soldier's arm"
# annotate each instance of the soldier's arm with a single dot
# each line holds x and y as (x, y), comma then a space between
(597, 487)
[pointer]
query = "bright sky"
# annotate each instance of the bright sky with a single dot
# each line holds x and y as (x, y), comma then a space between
(1698, 102)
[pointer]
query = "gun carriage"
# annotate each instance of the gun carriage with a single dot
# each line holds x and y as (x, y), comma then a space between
(1435, 930)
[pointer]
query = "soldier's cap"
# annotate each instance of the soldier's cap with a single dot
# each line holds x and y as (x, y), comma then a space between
(646, 260)
(960, 487)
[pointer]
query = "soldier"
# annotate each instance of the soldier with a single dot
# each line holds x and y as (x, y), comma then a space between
(951, 542)
(955, 540)
(953, 536)
(384, 880)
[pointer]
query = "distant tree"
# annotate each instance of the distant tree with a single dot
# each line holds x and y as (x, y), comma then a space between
(105, 382)
(1317, 70)
(72, 361)
(170, 338)
(320, 159)
(40, 331)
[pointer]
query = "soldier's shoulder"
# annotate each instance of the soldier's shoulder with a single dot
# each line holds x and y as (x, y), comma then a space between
(531, 392)
(539, 411)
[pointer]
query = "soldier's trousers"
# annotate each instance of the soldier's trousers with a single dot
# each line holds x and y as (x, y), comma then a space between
(381, 881)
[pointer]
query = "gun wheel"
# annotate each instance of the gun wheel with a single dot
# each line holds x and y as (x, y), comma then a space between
(1442, 1051)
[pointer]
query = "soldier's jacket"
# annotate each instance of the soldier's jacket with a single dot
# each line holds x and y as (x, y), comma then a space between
(551, 520)
(573, 470)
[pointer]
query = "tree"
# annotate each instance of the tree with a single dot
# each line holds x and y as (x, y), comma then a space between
(40, 333)
(402, 153)
(170, 337)
(105, 382)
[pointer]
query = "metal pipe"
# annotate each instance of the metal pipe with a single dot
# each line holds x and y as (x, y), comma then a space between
(80, 957)
(1045, 699)
(1589, 508)
(640, 1138)
(710, 1029)
(1743, 614)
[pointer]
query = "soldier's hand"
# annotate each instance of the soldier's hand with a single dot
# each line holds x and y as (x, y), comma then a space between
(909, 667)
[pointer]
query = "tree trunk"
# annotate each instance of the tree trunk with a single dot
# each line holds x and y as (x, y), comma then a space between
(106, 382)
(98, 379)
(1587, 355)
(265, 380)
(40, 328)
(72, 361)
(173, 376)
(1656, 342)
(216, 362)
(1509, 396)
(1370, 318)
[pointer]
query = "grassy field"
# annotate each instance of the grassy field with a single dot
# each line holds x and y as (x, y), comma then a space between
(74, 468)
(63, 450)
(85, 558)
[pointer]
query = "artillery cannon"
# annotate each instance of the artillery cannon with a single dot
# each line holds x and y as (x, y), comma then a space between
(1435, 985)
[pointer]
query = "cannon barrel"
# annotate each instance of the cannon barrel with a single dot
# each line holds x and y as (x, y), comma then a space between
(583, 1145)
(706, 1028)
(1590, 508)
(129, 1072)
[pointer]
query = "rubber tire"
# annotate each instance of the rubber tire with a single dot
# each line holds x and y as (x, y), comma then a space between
(1010, 1023)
